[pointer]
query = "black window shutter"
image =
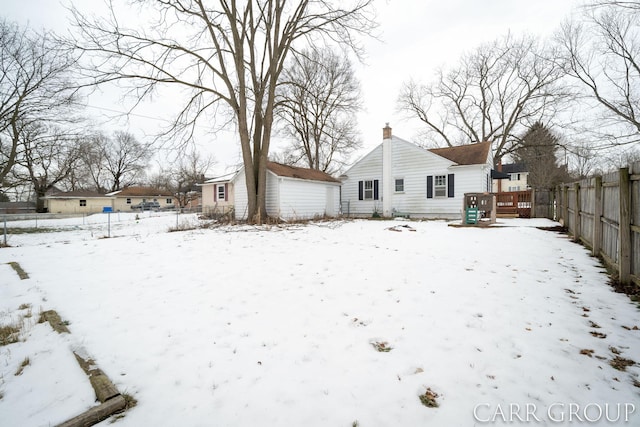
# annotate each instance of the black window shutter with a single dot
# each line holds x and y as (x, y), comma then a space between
(375, 189)
(430, 187)
(215, 192)
(450, 186)
(226, 192)
(360, 190)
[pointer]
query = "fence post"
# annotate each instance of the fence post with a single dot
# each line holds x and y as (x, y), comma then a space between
(533, 203)
(597, 217)
(624, 228)
(565, 205)
(576, 212)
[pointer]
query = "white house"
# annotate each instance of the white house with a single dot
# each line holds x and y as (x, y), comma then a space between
(400, 178)
(292, 193)
(518, 178)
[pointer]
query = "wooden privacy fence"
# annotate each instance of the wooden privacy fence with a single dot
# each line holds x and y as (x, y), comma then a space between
(604, 213)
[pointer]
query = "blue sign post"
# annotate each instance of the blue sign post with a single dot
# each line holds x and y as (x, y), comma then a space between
(108, 210)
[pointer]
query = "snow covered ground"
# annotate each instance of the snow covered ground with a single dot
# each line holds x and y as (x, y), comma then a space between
(277, 326)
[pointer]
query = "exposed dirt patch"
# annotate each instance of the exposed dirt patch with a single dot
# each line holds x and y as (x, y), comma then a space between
(382, 346)
(21, 273)
(620, 363)
(630, 289)
(9, 334)
(428, 399)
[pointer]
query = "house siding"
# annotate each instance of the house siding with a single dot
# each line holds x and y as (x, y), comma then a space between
(301, 199)
(208, 195)
(369, 168)
(289, 198)
(240, 196)
(413, 165)
(273, 195)
(72, 206)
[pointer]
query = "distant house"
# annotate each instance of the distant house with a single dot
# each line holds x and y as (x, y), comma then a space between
(218, 194)
(76, 202)
(124, 199)
(292, 193)
(400, 178)
(518, 178)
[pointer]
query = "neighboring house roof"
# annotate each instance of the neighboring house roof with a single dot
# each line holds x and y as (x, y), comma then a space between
(140, 192)
(470, 154)
(222, 178)
(499, 175)
(514, 168)
(300, 173)
(76, 194)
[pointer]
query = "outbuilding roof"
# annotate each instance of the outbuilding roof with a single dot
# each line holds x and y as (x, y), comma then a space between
(300, 173)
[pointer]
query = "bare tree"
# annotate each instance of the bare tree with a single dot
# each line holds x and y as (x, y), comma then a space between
(319, 101)
(581, 160)
(93, 151)
(603, 55)
(494, 94)
(125, 160)
(190, 170)
(34, 86)
(227, 51)
(47, 158)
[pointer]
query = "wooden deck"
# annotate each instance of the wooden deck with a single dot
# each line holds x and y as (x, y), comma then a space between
(513, 204)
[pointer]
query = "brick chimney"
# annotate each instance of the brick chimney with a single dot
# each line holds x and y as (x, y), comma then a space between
(386, 132)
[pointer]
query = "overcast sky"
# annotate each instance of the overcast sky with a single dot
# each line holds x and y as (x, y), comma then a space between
(417, 37)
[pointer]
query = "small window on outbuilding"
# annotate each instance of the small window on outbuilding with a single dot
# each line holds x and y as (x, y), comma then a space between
(169, 201)
(83, 202)
(128, 200)
(221, 194)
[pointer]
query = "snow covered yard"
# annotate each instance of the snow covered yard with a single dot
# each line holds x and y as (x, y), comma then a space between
(244, 326)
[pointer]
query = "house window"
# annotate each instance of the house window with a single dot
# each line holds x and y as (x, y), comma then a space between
(399, 185)
(440, 186)
(368, 190)
(220, 192)
(83, 202)
(128, 200)
(514, 177)
(169, 201)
